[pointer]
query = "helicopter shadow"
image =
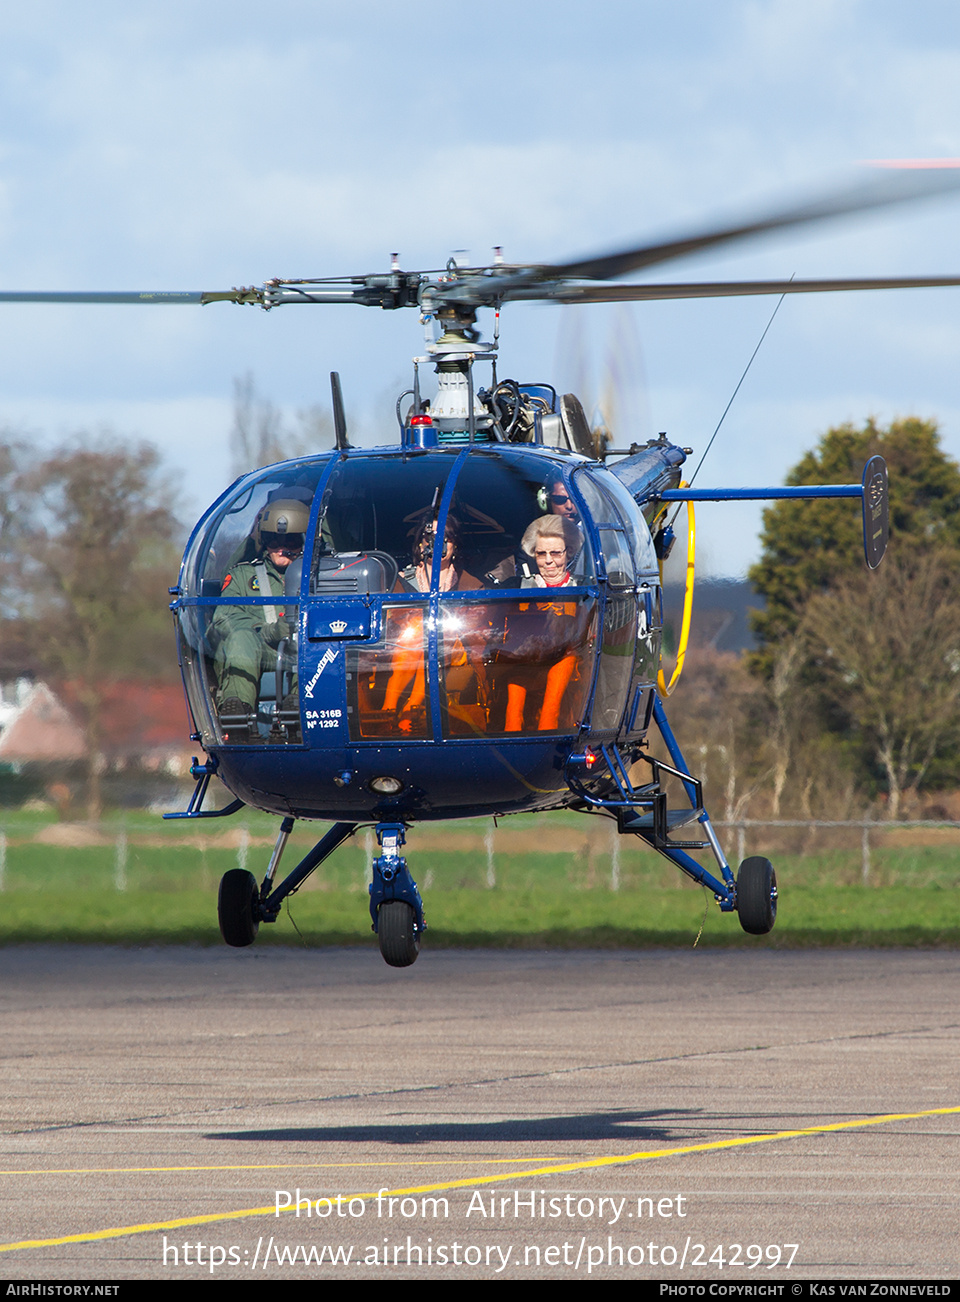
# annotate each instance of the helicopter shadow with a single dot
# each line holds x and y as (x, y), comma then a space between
(619, 1125)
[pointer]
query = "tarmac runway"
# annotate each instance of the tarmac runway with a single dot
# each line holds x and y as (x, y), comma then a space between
(525, 1115)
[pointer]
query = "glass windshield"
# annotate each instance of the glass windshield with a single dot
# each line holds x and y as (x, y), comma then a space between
(239, 643)
(644, 556)
(387, 687)
(501, 505)
(517, 667)
(229, 537)
(373, 518)
(613, 510)
(240, 663)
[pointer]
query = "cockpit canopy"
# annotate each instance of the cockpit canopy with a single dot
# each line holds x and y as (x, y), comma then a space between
(379, 503)
(475, 527)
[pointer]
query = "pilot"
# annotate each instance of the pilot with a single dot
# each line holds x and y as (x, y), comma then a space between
(551, 631)
(554, 498)
(245, 638)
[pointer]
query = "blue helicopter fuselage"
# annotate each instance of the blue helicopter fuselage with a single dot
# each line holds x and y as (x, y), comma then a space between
(391, 698)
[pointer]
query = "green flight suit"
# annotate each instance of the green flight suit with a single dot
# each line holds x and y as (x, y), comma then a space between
(245, 638)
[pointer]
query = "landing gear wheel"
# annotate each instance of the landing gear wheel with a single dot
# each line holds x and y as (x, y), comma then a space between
(238, 907)
(397, 933)
(757, 896)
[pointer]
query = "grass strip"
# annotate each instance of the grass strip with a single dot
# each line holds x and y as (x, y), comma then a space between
(541, 917)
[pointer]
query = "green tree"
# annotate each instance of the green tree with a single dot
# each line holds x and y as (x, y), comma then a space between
(808, 546)
(13, 454)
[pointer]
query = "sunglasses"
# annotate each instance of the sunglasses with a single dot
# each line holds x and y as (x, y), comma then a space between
(291, 546)
(559, 499)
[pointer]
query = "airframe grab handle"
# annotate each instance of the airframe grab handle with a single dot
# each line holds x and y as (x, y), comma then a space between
(872, 492)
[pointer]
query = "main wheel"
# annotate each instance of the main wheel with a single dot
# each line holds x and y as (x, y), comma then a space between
(757, 896)
(397, 933)
(238, 907)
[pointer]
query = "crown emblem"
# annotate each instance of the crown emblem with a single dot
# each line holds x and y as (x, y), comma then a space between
(338, 626)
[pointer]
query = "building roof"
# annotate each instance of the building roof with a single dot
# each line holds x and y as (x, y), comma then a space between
(36, 725)
(139, 720)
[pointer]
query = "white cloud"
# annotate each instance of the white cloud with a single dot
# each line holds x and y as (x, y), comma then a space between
(195, 147)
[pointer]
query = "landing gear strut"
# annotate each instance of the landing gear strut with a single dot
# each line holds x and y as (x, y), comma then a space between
(395, 904)
(643, 810)
(241, 906)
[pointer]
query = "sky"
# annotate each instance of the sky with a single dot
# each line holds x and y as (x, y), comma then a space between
(201, 146)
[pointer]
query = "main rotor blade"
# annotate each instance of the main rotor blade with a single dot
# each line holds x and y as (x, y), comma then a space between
(273, 294)
(900, 182)
(718, 289)
(83, 296)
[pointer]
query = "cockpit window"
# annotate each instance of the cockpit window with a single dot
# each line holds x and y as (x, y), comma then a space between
(624, 537)
(372, 511)
(238, 642)
(510, 666)
(641, 544)
(229, 539)
(495, 501)
(513, 667)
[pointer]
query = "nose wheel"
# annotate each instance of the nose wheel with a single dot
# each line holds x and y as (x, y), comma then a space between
(398, 933)
(395, 904)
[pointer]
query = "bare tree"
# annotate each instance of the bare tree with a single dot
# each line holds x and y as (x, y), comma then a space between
(313, 431)
(255, 438)
(809, 770)
(13, 457)
(761, 747)
(888, 647)
(96, 531)
(723, 713)
(260, 437)
(784, 690)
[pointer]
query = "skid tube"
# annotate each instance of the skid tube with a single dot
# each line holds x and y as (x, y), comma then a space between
(656, 821)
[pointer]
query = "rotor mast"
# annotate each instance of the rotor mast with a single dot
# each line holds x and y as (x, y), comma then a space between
(453, 353)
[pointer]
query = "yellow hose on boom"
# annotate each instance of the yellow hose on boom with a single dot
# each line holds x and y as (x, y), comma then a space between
(665, 687)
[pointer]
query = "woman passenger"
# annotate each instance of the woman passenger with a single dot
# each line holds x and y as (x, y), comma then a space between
(552, 541)
(554, 636)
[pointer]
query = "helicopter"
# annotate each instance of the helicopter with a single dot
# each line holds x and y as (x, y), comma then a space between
(466, 621)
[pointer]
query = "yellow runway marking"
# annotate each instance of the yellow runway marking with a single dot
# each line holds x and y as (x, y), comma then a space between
(561, 1169)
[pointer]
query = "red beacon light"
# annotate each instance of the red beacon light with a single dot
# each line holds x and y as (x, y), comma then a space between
(420, 432)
